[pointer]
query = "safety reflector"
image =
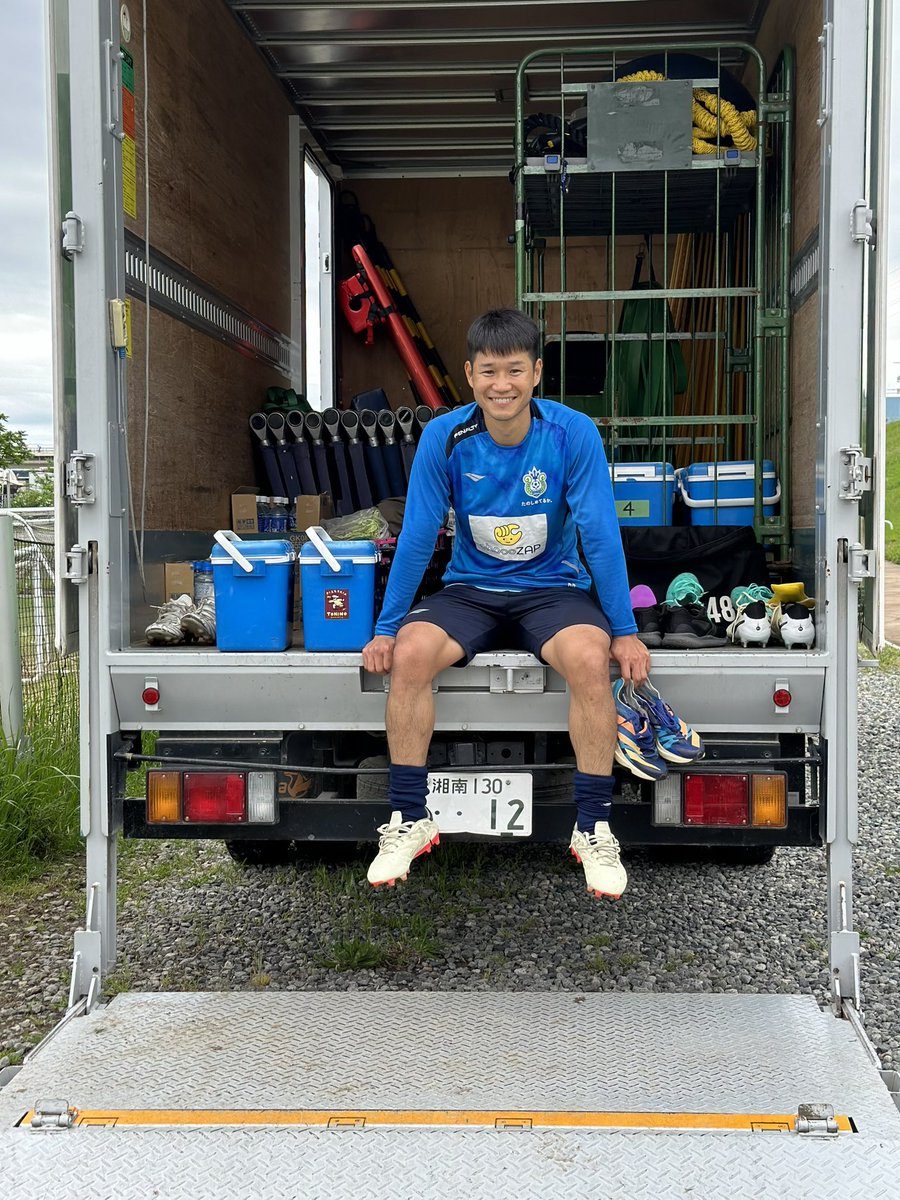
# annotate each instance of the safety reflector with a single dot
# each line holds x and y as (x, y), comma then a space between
(163, 796)
(716, 800)
(768, 801)
(667, 800)
(216, 796)
(261, 797)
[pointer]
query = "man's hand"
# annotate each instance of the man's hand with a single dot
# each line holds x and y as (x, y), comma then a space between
(379, 654)
(632, 656)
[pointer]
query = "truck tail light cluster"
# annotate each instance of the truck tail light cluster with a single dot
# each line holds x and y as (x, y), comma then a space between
(210, 797)
(713, 799)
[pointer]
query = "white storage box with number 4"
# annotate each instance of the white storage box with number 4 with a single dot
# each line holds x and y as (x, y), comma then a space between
(494, 803)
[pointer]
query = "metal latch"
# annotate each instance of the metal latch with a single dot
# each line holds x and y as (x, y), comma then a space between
(76, 564)
(79, 485)
(816, 1120)
(72, 235)
(861, 229)
(856, 473)
(861, 563)
(517, 679)
(53, 1114)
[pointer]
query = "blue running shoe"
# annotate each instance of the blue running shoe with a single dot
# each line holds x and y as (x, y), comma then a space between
(675, 740)
(636, 746)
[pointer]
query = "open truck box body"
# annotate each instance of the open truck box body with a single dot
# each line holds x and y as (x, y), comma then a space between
(412, 105)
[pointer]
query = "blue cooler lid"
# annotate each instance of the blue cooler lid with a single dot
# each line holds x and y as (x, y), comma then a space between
(651, 472)
(352, 550)
(729, 470)
(276, 550)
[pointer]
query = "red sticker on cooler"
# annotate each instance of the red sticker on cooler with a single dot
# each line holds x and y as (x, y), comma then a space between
(337, 604)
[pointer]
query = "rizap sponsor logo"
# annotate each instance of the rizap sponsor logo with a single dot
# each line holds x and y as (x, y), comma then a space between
(535, 483)
(508, 535)
(524, 538)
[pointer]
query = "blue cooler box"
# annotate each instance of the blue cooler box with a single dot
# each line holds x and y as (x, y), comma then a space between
(643, 492)
(253, 581)
(338, 585)
(722, 493)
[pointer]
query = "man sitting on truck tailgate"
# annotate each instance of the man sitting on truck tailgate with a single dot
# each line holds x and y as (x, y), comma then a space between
(523, 476)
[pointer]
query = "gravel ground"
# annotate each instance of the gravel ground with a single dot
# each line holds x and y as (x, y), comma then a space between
(479, 918)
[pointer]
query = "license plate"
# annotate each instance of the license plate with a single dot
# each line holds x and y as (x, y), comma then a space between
(490, 803)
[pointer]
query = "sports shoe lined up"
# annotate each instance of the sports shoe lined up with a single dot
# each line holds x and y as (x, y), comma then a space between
(782, 613)
(649, 733)
(180, 620)
(752, 616)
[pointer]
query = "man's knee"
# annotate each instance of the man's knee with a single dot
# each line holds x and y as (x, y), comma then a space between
(418, 653)
(585, 657)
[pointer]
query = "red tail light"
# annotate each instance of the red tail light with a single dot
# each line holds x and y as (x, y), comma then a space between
(214, 796)
(716, 799)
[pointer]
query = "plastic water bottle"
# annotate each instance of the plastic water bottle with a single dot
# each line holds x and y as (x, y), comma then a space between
(279, 518)
(203, 580)
(263, 513)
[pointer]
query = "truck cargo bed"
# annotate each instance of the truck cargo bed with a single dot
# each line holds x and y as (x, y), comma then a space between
(451, 1094)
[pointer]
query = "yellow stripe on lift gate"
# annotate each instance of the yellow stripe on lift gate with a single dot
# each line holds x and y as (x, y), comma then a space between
(368, 1118)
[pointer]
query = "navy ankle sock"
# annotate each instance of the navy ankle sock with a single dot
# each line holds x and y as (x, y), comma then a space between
(407, 789)
(593, 799)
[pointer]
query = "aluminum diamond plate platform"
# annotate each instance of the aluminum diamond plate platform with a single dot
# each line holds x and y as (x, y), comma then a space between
(270, 1164)
(305, 1055)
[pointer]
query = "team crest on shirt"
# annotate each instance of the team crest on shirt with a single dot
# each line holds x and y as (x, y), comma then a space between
(535, 482)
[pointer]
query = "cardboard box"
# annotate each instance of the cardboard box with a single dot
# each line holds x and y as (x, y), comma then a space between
(311, 510)
(178, 580)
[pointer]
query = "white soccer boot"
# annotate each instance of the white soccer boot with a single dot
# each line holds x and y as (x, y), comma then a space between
(200, 621)
(166, 629)
(793, 625)
(598, 853)
(400, 842)
(752, 625)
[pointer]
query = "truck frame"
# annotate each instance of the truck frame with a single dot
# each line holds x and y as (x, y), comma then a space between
(780, 1064)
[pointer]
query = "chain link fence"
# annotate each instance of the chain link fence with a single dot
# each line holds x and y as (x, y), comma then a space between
(49, 679)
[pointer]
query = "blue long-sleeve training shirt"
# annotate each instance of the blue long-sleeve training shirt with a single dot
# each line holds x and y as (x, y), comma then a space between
(518, 509)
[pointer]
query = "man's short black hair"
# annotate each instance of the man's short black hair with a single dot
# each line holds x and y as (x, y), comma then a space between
(503, 331)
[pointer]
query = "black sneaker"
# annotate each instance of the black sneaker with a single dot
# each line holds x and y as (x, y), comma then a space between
(687, 626)
(649, 623)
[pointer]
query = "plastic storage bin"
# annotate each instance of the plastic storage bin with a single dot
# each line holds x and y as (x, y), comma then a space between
(643, 492)
(338, 585)
(722, 493)
(253, 581)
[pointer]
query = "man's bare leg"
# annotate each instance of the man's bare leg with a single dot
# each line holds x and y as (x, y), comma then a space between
(421, 652)
(581, 655)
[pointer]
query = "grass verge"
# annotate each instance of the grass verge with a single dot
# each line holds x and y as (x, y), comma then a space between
(39, 784)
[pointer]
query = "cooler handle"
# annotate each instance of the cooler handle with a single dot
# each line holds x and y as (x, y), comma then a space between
(727, 501)
(319, 537)
(226, 539)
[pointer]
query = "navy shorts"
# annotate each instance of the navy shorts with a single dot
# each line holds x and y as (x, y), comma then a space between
(482, 620)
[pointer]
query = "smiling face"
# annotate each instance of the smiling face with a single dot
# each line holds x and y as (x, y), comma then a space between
(503, 387)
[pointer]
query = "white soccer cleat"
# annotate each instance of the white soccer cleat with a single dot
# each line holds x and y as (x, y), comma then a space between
(598, 853)
(166, 629)
(752, 626)
(793, 625)
(200, 621)
(400, 842)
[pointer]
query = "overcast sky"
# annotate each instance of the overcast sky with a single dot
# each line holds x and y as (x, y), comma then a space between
(25, 371)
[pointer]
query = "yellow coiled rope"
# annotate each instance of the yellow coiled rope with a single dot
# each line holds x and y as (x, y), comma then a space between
(713, 117)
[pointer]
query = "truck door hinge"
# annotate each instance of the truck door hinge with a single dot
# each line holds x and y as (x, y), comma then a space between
(80, 478)
(861, 563)
(53, 1115)
(856, 473)
(76, 564)
(816, 1120)
(72, 235)
(862, 227)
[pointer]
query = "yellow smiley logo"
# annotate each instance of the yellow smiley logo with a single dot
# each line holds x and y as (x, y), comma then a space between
(507, 535)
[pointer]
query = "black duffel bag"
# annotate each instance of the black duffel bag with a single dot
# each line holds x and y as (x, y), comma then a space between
(723, 557)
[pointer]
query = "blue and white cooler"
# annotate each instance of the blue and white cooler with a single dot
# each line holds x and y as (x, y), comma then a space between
(253, 582)
(643, 492)
(722, 493)
(338, 585)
